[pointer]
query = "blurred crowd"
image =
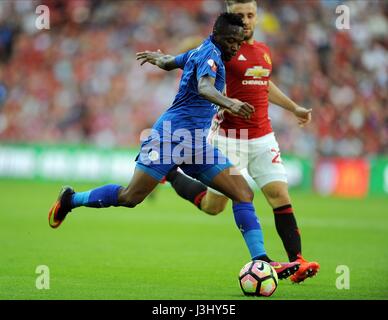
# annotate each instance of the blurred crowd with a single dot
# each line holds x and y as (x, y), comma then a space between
(79, 81)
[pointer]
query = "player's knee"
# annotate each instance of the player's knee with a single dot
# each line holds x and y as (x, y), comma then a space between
(249, 195)
(130, 202)
(130, 199)
(278, 195)
(213, 209)
(245, 195)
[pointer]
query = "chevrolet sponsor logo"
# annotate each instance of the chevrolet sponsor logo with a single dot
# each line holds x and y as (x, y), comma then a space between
(257, 72)
(255, 82)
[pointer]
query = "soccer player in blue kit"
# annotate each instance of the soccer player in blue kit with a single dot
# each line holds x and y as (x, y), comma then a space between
(189, 117)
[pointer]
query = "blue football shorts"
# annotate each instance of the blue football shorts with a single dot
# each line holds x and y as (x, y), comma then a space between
(157, 158)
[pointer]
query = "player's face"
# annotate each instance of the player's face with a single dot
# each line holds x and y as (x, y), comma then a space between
(248, 13)
(230, 42)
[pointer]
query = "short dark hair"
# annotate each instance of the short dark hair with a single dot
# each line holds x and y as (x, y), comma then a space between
(232, 2)
(227, 19)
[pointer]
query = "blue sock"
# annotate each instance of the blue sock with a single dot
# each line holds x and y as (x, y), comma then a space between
(101, 197)
(248, 223)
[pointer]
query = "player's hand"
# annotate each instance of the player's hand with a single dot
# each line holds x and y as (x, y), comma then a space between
(242, 109)
(303, 115)
(152, 57)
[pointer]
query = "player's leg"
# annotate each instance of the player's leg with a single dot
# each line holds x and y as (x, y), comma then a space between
(225, 178)
(101, 197)
(141, 185)
(266, 168)
(196, 192)
(208, 200)
(149, 172)
(105, 196)
(213, 203)
(276, 193)
(236, 188)
(222, 176)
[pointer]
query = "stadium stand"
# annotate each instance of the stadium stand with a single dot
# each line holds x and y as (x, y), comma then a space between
(79, 82)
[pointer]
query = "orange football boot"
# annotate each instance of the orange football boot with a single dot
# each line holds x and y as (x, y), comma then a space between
(61, 207)
(306, 270)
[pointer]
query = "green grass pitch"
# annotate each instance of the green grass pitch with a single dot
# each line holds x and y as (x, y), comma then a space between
(167, 249)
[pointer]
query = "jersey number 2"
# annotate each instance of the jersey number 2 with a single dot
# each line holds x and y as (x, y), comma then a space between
(276, 158)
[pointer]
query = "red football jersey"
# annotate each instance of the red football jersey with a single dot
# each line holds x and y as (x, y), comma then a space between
(247, 79)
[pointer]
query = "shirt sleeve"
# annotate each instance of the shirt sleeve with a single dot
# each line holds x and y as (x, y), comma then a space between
(269, 53)
(181, 59)
(208, 64)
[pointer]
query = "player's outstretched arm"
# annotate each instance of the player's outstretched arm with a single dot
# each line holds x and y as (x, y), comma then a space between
(276, 96)
(157, 58)
(207, 90)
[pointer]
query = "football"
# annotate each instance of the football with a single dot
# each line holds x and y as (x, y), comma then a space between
(258, 278)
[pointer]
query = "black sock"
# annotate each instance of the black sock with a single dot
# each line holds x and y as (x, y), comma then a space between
(288, 231)
(188, 188)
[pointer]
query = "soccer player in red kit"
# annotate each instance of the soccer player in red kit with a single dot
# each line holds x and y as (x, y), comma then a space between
(250, 143)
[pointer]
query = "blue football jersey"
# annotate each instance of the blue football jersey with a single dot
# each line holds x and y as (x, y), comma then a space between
(179, 136)
(189, 110)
